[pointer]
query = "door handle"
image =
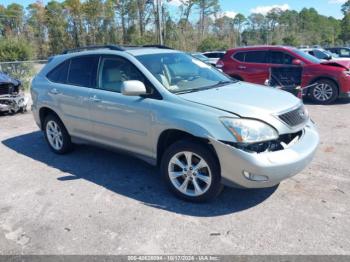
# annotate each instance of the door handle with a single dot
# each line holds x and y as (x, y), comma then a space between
(54, 91)
(242, 67)
(94, 99)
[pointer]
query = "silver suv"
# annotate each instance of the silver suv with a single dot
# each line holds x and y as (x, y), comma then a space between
(202, 128)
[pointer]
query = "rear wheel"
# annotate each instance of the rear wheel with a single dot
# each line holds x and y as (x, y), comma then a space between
(56, 135)
(324, 92)
(192, 171)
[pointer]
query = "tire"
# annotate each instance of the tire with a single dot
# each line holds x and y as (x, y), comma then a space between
(56, 135)
(325, 92)
(193, 184)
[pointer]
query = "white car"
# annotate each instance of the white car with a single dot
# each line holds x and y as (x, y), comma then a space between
(214, 56)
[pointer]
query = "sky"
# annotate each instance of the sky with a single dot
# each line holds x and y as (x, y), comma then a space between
(231, 7)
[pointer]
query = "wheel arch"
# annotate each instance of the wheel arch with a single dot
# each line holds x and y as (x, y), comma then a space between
(170, 136)
(44, 112)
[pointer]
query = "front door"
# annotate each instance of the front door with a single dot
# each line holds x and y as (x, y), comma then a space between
(118, 120)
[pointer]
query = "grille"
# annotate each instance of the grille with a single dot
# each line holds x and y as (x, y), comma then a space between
(6, 89)
(295, 117)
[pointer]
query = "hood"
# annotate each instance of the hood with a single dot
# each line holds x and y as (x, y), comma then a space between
(5, 79)
(345, 63)
(245, 99)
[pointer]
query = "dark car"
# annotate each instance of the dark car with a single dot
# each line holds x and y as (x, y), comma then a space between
(329, 79)
(340, 51)
(12, 98)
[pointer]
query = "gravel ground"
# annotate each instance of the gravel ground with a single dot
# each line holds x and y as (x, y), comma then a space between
(93, 201)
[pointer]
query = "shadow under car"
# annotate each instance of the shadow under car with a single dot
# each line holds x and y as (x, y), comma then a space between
(130, 177)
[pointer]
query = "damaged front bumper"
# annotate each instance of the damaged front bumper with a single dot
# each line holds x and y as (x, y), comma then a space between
(13, 103)
(258, 170)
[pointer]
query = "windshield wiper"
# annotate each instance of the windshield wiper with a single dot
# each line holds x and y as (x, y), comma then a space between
(218, 84)
(189, 91)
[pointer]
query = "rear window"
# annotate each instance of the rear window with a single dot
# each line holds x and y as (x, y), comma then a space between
(239, 56)
(256, 57)
(83, 70)
(59, 73)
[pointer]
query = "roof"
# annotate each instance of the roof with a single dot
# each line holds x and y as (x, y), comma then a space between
(259, 47)
(108, 49)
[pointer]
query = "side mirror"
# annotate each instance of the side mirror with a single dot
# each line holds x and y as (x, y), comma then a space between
(297, 62)
(133, 88)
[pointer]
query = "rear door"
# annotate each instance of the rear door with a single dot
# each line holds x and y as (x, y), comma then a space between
(254, 67)
(70, 87)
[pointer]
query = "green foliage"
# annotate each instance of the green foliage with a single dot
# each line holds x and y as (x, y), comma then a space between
(60, 24)
(16, 50)
(12, 49)
(290, 41)
(345, 25)
(211, 44)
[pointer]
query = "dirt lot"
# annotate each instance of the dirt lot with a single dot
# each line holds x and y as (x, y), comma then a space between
(98, 202)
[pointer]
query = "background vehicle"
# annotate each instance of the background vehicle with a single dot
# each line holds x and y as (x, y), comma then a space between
(340, 51)
(202, 128)
(320, 53)
(201, 57)
(252, 64)
(12, 98)
(214, 56)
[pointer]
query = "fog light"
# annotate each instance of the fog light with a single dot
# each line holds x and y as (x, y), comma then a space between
(253, 177)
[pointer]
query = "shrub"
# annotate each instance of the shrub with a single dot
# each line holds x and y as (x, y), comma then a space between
(211, 44)
(12, 50)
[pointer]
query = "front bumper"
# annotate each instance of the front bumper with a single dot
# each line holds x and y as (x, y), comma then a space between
(276, 166)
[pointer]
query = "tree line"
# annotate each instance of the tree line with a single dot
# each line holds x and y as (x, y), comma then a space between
(38, 30)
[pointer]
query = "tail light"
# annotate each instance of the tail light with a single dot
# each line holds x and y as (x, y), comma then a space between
(220, 64)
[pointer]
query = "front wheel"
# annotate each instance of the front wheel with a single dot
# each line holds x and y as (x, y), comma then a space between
(192, 171)
(324, 92)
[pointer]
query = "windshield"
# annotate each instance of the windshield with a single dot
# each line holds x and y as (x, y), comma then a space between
(307, 57)
(181, 73)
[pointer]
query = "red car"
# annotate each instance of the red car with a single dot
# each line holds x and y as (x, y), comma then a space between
(329, 79)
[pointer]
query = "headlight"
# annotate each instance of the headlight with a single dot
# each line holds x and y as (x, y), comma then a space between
(249, 131)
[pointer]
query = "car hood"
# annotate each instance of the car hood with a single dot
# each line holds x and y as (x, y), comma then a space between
(345, 63)
(245, 100)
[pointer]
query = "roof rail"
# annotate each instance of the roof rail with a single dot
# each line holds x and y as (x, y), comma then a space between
(92, 47)
(158, 46)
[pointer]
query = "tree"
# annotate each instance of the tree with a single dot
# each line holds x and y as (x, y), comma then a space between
(345, 23)
(75, 26)
(37, 28)
(206, 9)
(239, 21)
(13, 25)
(57, 24)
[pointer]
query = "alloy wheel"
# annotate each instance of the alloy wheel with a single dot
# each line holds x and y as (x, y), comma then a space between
(54, 135)
(189, 173)
(323, 92)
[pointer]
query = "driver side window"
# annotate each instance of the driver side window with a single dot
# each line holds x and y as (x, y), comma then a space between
(114, 71)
